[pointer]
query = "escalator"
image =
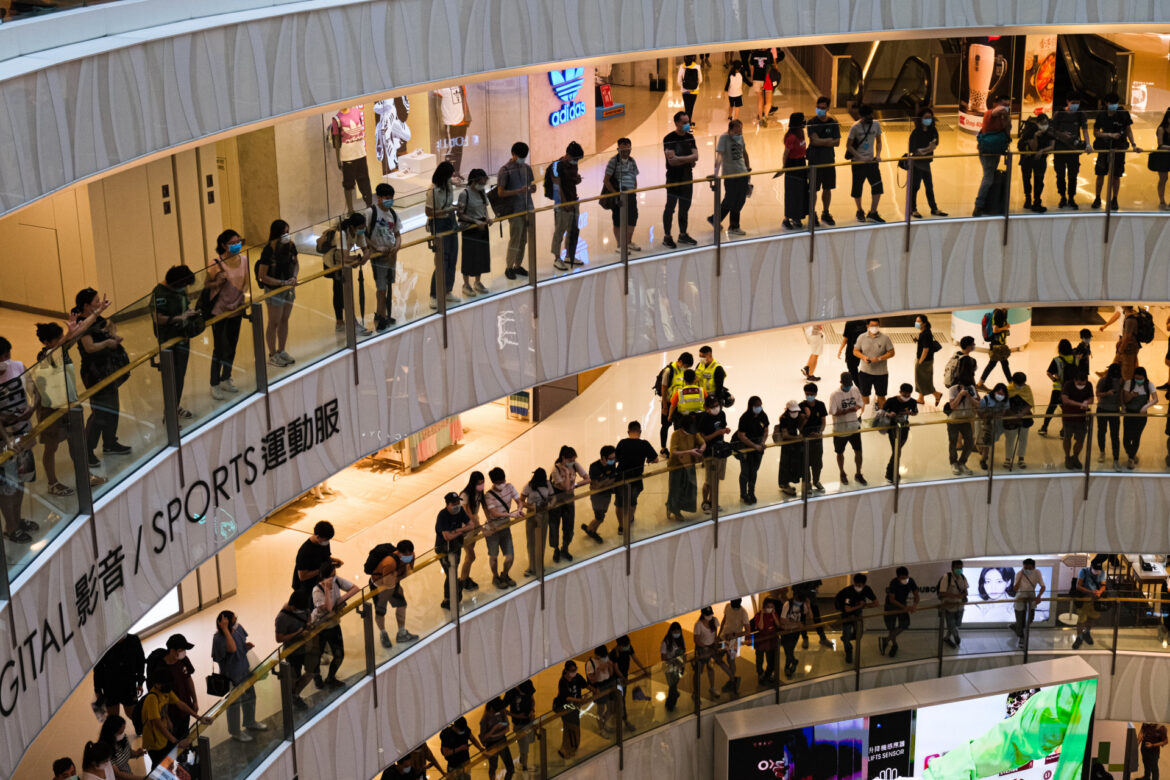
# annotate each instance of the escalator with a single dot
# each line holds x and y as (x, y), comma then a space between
(1091, 66)
(910, 90)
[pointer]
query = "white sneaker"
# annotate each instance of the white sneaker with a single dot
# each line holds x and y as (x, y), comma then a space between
(434, 303)
(243, 736)
(276, 360)
(217, 394)
(453, 298)
(560, 265)
(362, 330)
(229, 385)
(288, 359)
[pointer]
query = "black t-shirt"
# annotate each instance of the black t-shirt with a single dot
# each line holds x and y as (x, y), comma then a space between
(853, 329)
(925, 339)
(309, 558)
(633, 455)
(621, 659)
(899, 592)
(816, 416)
(520, 704)
(822, 128)
(459, 742)
(789, 425)
(601, 474)
(848, 597)
(754, 426)
(758, 62)
(1115, 123)
(571, 687)
(709, 423)
(1069, 123)
(682, 146)
(449, 522)
(567, 173)
(1032, 140)
(901, 409)
(392, 773)
(921, 137)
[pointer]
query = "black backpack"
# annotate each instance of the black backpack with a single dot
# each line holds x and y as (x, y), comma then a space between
(136, 712)
(690, 78)
(658, 378)
(1145, 326)
(377, 555)
(549, 173)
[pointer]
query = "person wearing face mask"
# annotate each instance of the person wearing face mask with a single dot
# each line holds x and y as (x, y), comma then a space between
(229, 649)
(113, 736)
(863, 146)
(925, 351)
(793, 160)
(602, 474)
(1017, 422)
(734, 90)
(623, 655)
(895, 414)
(815, 413)
(690, 76)
(793, 618)
(497, 508)
(1083, 351)
(384, 236)
(787, 433)
(572, 694)
(1059, 370)
(493, 732)
(874, 349)
(455, 744)
(961, 408)
(850, 333)
(396, 563)
(682, 154)
(1035, 143)
(182, 682)
(290, 627)
(731, 159)
(850, 601)
(451, 525)
(1070, 129)
(515, 185)
(313, 552)
(709, 653)
(824, 136)
(1029, 588)
(1138, 395)
(1075, 399)
(227, 279)
(952, 593)
(472, 211)
(276, 272)
(346, 245)
(633, 454)
(562, 514)
(923, 142)
(157, 738)
(686, 449)
(672, 653)
(621, 176)
(712, 428)
(993, 141)
(766, 628)
(522, 708)
(440, 210)
(600, 673)
(565, 178)
(64, 769)
(1112, 135)
(97, 762)
(901, 599)
(711, 376)
(472, 499)
(750, 435)
(992, 408)
(174, 318)
(1108, 417)
(846, 405)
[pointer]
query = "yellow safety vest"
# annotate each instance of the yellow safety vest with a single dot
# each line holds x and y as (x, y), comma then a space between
(705, 376)
(690, 399)
(676, 378)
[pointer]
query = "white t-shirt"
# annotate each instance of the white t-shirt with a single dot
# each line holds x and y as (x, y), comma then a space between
(351, 124)
(381, 236)
(1028, 581)
(451, 105)
(704, 634)
(13, 399)
(340, 585)
(735, 85)
(845, 407)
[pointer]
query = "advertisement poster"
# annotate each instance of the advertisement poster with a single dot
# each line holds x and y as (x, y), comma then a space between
(984, 77)
(1036, 734)
(1039, 74)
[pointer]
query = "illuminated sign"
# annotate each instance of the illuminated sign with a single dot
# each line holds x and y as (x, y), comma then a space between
(566, 84)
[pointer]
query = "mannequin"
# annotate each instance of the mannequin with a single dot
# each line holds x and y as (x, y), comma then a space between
(347, 132)
(456, 118)
(392, 133)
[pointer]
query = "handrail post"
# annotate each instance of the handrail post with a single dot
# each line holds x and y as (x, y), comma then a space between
(350, 317)
(627, 530)
(909, 200)
(620, 710)
(542, 738)
(75, 427)
(1029, 615)
(454, 596)
(1090, 418)
(204, 758)
(992, 419)
(624, 237)
(857, 651)
(367, 614)
(942, 622)
(166, 360)
(530, 227)
(1007, 192)
(260, 358)
(540, 535)
(1109, 195)
(440, 278)
(898, 428)
(713, 481)
(812, 209)
(716, 188)
(806, 486)
(286, 699)
(698, 696)
(1116, 625)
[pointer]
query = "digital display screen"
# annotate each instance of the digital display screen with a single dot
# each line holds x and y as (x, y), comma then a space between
(996, 584)
(1036, 734)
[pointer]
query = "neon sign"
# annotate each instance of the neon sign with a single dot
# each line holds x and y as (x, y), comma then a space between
(567, 84)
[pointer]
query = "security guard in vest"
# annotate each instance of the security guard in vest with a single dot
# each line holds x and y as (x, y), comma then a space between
(688, 399)
(710, 374)
(671, 381)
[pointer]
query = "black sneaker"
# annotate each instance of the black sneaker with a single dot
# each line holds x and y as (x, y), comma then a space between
(683, 238)
(1063, 202)
(1096, 204)
(380, 323)
(519, 271)
(591, 534)
(556, 555)
(873, 216)
(94, 462)
(470, 584)
(667, 241)
(827, 218)
(565, 554)
(893, 651)
(860, 215)
(860, 479)
(117, 448)
(1088, 637)
(509, 274)
(1072, 204)
(1113, 206)
(883, 643)
(1039, 208)
(300, 703)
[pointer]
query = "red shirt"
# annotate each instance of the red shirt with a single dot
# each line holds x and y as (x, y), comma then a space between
(994, 123)
(795, 145)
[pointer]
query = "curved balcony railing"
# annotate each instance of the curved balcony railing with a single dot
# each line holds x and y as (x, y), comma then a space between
(146, 390)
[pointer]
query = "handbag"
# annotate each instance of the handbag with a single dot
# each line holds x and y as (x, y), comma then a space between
(218, 684)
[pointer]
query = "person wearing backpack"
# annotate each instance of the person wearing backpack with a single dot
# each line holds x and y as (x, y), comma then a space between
(562, 178)
(278, 267)
(690, 76)
(340, 246)
(227, 282)
(1018, 421)
(150, 718)
(1129, 342)
(993, 142)
(384, 236)
(996, 331)
(924, 363)
(515, 185)
(1061, 366)
(387, 565)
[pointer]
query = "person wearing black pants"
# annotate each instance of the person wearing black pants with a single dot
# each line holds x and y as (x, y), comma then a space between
(853, 329)
(98, 346)
(1035, 143)
(814, 425)
(1153, 738)
(923, 142)
(750, 436)
(681, 155)
(1070, 130)
(808, 591)
(794, 159)
(105, 410)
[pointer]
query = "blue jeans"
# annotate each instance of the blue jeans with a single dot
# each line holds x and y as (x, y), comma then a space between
(953, 622)
(990, 163)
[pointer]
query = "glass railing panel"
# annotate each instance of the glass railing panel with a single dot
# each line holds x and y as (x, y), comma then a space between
(849, 451)
(1144, 441)
(670, 499)
(334, 660)
(499, 561)
(576, 734)
(956, 182)
(408, 610)
(648, 233)
(249, 728)
(902, 636)
(655, 698)
(923, 453)
(217, 361)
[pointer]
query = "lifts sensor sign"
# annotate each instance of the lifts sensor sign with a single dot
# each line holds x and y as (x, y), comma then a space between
(567, 84)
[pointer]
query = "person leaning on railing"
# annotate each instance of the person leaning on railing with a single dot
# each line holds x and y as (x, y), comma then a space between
(1017, 421)
(1089, 587)
(292, 624)
(329, 597)
(15, 413)
(227, 280)
(175, 319)
(277, 268)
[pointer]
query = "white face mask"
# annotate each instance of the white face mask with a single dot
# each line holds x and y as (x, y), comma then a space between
(286, 238)
(716, 409)
(1000, 396)
(873, 330)
(181, 654)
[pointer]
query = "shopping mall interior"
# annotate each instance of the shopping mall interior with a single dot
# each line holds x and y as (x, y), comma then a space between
(765, 465)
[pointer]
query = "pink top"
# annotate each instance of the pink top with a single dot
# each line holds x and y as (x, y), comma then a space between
(231, 295)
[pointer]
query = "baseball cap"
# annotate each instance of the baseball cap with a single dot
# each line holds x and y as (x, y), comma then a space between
(452, 498)
(178, 642)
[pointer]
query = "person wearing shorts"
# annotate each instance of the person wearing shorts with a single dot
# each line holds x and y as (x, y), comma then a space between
(621, 175)
(815, 336)
(874, 349)
(633, 454)
(824, 136)
(863, 146)
(497, 509)
(388, 576)
(383, 238)
(845, 406)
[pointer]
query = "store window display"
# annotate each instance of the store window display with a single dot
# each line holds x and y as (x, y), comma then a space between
(347, 133)
(393, 133)
(455, 119)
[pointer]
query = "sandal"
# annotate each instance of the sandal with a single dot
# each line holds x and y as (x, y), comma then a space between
(20, 537)
(30, 526)
(57, 489)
